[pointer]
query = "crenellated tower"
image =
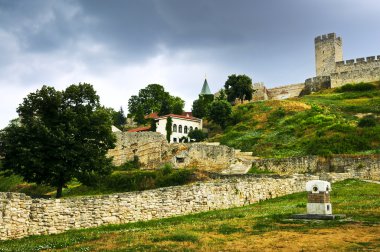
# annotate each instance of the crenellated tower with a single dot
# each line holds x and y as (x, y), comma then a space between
(328, 50)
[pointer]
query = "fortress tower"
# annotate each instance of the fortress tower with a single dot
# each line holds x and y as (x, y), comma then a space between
(328, 50)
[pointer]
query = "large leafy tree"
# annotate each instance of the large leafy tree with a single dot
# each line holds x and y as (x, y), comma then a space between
(60, 135)
(220, 112)
(201, 105)
(154, 98)
(238, 86)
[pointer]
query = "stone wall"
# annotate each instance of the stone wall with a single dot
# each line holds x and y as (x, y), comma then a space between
(285, 92)
(316, 84)
(151, 148)
(22, 216)
(351, 71)
(204, 156)
(360, 166)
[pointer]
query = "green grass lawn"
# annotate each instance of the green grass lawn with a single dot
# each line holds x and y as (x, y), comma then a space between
(262, 226)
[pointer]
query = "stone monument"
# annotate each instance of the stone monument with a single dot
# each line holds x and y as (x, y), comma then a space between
(318, 202)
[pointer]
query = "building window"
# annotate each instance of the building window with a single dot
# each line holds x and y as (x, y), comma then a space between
(196, 128)
(191, 128)
(180, 128)
(174, 127)
(174, 140)
(185, 130)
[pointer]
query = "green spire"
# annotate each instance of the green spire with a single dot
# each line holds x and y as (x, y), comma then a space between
(205, 89)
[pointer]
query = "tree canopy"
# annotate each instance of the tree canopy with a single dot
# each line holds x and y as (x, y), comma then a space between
(238, 86)
(220, 112)
(60, 135)
(154, 98)
(201, 105)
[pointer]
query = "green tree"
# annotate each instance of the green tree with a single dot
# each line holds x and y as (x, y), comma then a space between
(220, 112)
(154, 98)
(60, 135)
(238, 86)
(197, 135)
(153, 125)
(201, 105)
(119, 118)
(176, 105)
(168, 127)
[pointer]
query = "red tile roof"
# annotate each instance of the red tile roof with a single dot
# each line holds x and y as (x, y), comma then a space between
(146, 128)
(186, 117)
(152, 116)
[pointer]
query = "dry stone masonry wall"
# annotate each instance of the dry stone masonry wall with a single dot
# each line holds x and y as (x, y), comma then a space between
(356, 166)
(22, 216)
(150, 147)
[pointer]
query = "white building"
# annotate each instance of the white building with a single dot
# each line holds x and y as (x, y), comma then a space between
(181, 126)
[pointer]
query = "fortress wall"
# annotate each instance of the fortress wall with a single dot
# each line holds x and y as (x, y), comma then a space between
(360, 166)
(355, 76)
(150, 147)
(22, 216)
(357, 64)
(285, 92)
(260, 92)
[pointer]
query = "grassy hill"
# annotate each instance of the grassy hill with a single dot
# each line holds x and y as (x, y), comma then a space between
(344, 120)
(264, 226)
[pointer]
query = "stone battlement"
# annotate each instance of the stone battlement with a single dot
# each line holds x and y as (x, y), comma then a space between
(369, 59)
(325, 37)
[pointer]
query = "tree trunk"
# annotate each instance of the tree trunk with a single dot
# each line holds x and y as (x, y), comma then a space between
(59, 191)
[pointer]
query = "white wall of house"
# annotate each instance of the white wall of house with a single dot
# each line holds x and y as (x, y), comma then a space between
(180, 127)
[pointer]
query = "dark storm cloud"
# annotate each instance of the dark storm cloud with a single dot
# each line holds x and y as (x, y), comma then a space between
(122, 45)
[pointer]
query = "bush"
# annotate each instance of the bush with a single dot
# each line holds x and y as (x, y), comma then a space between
(367, 121)
(130, 165)
(360, 87)
(198, 135)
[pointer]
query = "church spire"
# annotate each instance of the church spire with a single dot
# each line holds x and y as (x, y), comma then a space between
(205, 89)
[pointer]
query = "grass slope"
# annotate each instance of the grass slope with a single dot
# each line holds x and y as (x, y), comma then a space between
(319, 124)
(264, 226)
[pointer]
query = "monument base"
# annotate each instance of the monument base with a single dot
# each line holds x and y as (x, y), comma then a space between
(318, 216)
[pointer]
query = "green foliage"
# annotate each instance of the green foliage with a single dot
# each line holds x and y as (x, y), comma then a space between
(153, 125)
(133, 180)
(220, 112)
(201, 106)
(197, 135)
(61, 135)
(272, 129)
(169, 128)
(276, 115)
(255, 170)
(359, 87)
(119, 118)
(130, 165)
(367, 121)
(238, 86)
(154, 98)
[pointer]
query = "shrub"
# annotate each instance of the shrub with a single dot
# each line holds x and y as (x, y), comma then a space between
(367, 121)
(130, 165)
(197, 135)
(360, 87)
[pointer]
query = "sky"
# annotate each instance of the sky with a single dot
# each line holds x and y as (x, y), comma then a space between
(121, 46)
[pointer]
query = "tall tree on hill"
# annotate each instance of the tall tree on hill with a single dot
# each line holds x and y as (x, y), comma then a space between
(201, 105)
(220, 112)
(119, 118)
(238, 86)
(60, 135)
(154, 98)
